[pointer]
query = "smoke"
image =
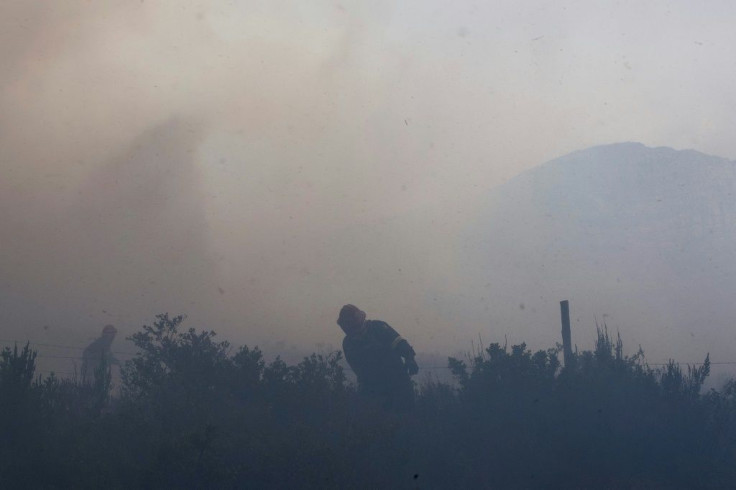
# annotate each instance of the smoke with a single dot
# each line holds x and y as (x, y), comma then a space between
(151, 150)
(257, 165)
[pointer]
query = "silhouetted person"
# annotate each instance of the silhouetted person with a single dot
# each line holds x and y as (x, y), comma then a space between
(98, 352)
(382, 360)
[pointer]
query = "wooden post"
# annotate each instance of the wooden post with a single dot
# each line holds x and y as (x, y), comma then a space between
(566, 336)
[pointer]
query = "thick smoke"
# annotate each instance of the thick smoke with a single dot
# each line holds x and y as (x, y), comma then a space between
(257, 165)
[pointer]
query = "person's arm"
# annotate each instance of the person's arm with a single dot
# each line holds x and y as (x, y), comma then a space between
(402, 347)
(350, 357)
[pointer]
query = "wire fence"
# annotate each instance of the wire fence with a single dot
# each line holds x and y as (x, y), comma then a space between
(9, 342)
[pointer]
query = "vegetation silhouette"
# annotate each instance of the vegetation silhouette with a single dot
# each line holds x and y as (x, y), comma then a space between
(194, 413)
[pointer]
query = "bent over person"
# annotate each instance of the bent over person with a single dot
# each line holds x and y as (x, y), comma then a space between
(382, 360)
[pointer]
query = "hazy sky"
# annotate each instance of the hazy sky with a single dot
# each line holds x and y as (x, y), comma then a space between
(258, 164)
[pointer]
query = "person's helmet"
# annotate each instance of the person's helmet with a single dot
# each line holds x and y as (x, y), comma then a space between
(351, 318)
(109, 330)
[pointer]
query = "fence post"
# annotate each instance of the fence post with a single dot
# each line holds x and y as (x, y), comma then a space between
(566, 336)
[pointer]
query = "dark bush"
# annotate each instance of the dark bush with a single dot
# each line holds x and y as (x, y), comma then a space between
(194, 415)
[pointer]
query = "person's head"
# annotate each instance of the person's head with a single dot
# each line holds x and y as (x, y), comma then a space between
(351, 319)
(109, 331)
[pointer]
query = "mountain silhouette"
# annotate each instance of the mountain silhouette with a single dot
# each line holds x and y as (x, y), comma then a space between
(639, 238)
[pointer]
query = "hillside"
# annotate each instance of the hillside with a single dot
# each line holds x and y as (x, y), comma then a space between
(641, 238)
